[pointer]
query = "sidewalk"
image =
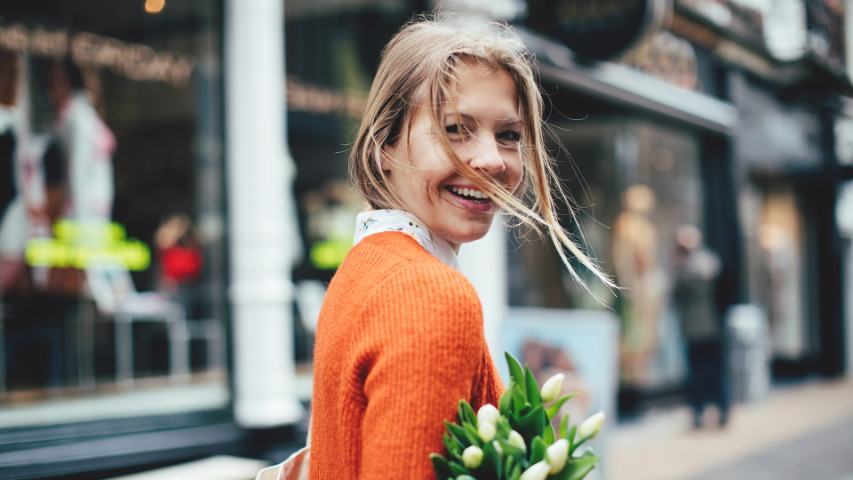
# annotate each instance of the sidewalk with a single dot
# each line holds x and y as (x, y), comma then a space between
(802, 431)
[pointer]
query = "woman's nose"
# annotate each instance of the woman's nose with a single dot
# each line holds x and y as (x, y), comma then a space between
(487, 157)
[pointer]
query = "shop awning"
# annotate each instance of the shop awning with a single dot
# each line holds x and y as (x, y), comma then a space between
(625, 86)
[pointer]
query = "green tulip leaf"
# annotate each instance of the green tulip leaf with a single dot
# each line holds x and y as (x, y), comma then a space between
(471, 434)
(515, 370)
(548, 435)
(516, 473)
(577, 468)
(554, 409)
(460, 434)
(458, 469)
(441, 467)
(503, 428)
(518, 398)
(466, 413)
(511, 450)
(509, 462)
(519, 427)
(535, 420)
(531, 388)
(505, 402)
(454, 448)
(491, 466)
(564, 426)
(537, 450)
(571, 438)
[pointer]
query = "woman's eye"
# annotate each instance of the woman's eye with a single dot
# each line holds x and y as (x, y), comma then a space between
(453, 129)
(509, 136)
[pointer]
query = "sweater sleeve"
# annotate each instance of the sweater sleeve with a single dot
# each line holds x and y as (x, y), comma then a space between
(426, 361)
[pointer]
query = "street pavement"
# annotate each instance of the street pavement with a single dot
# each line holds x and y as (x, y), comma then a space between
(802, 432)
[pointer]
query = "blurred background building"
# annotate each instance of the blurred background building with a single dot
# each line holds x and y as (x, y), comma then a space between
(173, 319)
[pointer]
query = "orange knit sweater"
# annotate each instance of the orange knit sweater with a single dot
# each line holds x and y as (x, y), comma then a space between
(399, 342)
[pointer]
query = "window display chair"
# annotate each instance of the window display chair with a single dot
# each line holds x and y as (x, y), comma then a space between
(115, 295)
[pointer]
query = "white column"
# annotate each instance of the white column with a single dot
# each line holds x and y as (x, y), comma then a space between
(262, 224)
(848, 36)
(484, 262)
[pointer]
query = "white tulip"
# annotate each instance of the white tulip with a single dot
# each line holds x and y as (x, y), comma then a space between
(498, 448)
(488, 414)
(552, 387)
(472, 457)
(591, 426)
(537, 471)
(486, 431)
(557, 454)
(516, 440)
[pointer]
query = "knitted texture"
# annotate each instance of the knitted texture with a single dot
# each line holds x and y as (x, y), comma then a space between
(399, 342)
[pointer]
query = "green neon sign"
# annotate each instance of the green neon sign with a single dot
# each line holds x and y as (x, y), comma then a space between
(329, 254)
(88, 244)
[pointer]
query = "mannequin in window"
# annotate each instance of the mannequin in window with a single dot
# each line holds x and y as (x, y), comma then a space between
(638, 270)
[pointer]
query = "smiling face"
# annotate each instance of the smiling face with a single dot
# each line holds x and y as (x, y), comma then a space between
(484, 129)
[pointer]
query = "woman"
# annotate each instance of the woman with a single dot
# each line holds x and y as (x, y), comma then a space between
(451, 134)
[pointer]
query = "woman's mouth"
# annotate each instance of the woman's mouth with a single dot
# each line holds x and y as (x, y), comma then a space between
(470, 197)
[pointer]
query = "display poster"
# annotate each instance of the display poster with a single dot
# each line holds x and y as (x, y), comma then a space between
(581, 344)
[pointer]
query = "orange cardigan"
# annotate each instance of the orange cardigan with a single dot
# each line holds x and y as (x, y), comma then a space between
(399, 342)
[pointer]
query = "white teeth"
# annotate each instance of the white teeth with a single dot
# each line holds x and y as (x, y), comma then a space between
(469, 192)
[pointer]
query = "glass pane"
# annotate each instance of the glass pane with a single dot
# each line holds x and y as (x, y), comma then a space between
(635, 183)
(112, 247)
(332, 55)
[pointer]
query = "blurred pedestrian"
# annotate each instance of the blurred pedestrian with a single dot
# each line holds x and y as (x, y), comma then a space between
(695, 271)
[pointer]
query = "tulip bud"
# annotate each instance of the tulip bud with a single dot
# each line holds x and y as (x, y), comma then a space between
(472, 457)
(591, 426)
(488, 414)
(537, 471)
(516, 440)
(498, 448)
(552, 387)
(557, 454)
(486, 431)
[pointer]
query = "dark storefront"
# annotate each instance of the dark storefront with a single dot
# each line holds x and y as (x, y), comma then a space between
(113, 258)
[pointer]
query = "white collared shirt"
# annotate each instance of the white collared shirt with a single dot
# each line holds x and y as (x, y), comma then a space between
(377, 221)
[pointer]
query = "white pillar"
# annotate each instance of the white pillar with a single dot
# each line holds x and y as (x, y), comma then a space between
(262, 224)
(484, 262)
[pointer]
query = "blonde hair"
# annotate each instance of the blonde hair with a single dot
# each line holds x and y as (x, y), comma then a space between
(419, 65)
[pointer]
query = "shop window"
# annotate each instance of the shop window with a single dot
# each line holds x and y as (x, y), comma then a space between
(332, 55)
(634, 183)
(111, 243)
(777, 242)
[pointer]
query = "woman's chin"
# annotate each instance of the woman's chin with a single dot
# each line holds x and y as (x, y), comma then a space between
(469, 234)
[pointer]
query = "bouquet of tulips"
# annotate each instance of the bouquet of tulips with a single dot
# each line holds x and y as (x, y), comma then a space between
(517, 440)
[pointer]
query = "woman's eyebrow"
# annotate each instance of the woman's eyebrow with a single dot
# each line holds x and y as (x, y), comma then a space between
(506, 121)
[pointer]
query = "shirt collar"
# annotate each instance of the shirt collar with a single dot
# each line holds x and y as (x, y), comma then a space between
(378, 221)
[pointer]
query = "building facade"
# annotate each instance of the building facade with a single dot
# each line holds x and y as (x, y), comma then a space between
(176, 321)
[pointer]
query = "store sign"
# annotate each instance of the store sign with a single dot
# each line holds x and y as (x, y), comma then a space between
(329, 254)
(303, 96)
(86, 245)
(596, 30)
(667, 57)
(132, 60)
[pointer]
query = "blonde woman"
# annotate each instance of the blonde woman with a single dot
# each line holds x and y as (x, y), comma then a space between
(452, 135)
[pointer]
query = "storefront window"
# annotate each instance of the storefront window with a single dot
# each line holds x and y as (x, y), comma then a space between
(777, 242)
(332, 54)
(635, 183)
(111, 241)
